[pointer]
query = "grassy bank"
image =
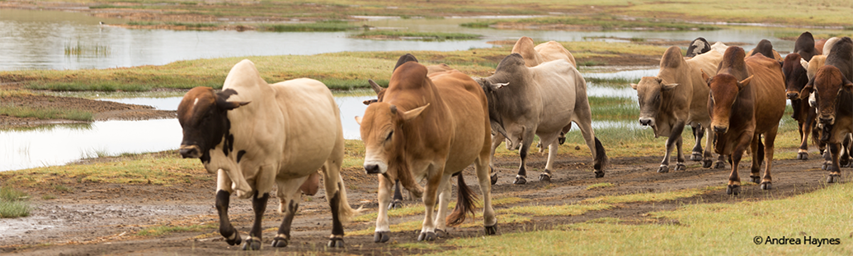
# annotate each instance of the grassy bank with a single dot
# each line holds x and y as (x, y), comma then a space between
(592, 22)
(13, 203)
(409, 35)
(342, 71)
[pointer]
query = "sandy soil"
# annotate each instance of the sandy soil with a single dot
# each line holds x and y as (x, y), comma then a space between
(104, 218)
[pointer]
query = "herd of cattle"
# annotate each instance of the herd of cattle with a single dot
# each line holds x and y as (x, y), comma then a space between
(432, 122)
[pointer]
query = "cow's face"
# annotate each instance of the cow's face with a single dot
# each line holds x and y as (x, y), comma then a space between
(649, 96)
(381, 133)
(203, 117)
(795, 76)
(724, 90)
(827, 84)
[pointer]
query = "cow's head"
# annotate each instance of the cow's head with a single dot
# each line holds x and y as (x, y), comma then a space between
(795, 76)
(827, 84)
(203, 117)
(724, 91)
(650, 96)
(381, 133)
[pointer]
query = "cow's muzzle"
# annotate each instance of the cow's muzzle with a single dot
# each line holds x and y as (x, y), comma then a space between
(721, 129)
(827, 119)
(191, 151)
(793, 95)
(647, 122)
(372, 169)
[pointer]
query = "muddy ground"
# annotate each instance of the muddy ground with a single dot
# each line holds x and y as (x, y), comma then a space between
(95, 219)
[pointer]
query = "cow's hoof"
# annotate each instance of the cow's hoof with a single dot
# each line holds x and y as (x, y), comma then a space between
(599, 174)
(755, 179)
(439, 233)
(733, 190)
(491, 230)
(561, 140)
(494, 178)
(336, 242)
(236, 240)
(426, 236)
(720, 165)
(279, 242)
(680, 167)
(766, 186)
(252, 244)
(520, 180)
(696, 156)
(381, 236)
(707, 163)
(826, 166)
(843, 162)
(802, 156)
(395, 204)
(545, 177)
(663, 169)
(833, 178)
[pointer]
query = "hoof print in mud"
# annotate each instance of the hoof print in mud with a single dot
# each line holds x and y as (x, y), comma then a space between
(696, 156)
(279, 242)
(766, 186)
(396, 204)
(663, 169)
(833, 178)
(381, 237)
(733, 190)
(426, 236)
(520, 180)
(491, 230)
(545, 177)
(803, 156)
(336, 242)
(680, 167)
(252, 244)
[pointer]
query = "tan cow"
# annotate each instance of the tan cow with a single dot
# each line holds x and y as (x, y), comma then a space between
(432, 127)
(257, 136)
(541, 100)
(676, 97)
(743, 108)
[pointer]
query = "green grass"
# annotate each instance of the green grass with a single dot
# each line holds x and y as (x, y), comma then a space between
(409, 35)
(599, 185)
(322, 26)
(696, 229)
(163, 230)
(13, 203)
(598, 22)
(45, 113)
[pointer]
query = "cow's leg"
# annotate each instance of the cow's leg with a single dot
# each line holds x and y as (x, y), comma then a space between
(743, 141)
(259, 205)
(552, 154)
(835, 169)
(679, 164)
(698, 133)
(844, 159)
(289, 200)
(584, 122)
(497, 139)
(805, 129)
(769, 147)
(443, 201)
(708, 156)
(398, 197)
(223, 198)
(383, 229)
(527, 140)
(434, 184)
(336, 193)
(481, 166)
(757, 155)
(674, 136)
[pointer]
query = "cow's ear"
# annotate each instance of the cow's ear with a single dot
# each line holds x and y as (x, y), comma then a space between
(743, 83)
(847, 84)
(633, 85)
(807, 90)
(705, 77)
(229, 105)
(804, 63)
(660, 80)
(376, 88)
(496, 86)
(411, 114)
(667, 87)
(358, 120)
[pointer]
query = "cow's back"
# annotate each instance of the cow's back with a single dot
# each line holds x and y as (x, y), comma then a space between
(557, 83)
(552, 50)
(707, 62)
(768, 85)
(467, 115)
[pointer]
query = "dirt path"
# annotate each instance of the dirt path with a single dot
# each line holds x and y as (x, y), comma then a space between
(104, 218)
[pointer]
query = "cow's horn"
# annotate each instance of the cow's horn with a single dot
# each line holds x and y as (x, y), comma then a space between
(376, 87)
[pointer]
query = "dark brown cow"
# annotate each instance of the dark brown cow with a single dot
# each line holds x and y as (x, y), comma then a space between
(805, 46)
(766, 48)
(796, 79)
(743, 109)
(429, 126)
(835, 104)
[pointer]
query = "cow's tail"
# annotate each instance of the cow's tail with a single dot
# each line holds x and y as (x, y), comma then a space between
(345, 212)
(465, 203)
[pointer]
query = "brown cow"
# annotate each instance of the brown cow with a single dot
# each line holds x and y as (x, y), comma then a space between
(796, 79)
(766, 48)
(836, 112)
(432, 127)
(805, 46)
(819, 44)
(743, 109)
(677, 96)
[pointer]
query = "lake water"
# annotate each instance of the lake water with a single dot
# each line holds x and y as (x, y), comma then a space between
(64, 40)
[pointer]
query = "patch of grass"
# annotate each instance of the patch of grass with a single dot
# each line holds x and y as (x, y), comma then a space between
(478, 24)
(13, 203)
(63, 188)
(322, 26)
(613, 108)
(48, 197)
(409, 35)
(599, 185)
(419, 208)
(162, 230)
(712, 229)
(605, 22)
(650, 197)
(45, 113)
(556, 210)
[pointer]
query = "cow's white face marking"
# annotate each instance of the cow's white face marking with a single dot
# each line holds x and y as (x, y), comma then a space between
(373, 156)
